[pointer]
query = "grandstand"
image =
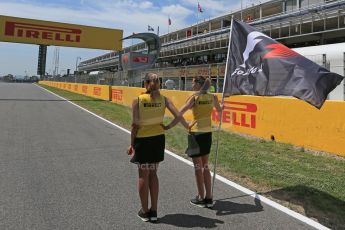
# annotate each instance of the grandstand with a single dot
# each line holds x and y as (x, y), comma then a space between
(201, 48)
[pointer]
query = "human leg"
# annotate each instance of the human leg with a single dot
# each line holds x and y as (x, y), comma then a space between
(198, 171)
(206, 176)
(153, 186)
(143, 185)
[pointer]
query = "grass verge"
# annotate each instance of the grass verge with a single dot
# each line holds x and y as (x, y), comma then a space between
(307, 183)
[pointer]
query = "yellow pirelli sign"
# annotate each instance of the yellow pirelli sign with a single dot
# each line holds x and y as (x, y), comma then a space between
(31, 31)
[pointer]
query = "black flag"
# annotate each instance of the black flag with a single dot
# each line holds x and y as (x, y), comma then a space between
(150, 28)
(258, 65)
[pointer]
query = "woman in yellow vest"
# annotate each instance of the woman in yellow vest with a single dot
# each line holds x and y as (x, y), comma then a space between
(148, 142)
(200, 136)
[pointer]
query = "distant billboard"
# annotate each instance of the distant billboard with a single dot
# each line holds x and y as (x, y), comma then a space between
(31, 31)
(142, 60)
(135, 61)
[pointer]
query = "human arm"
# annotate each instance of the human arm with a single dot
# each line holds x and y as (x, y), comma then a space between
(177, 118)
(189, 104)
(216, 104)
(135, 125)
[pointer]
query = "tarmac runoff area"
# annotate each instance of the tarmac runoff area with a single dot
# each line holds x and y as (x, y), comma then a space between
(62, 167)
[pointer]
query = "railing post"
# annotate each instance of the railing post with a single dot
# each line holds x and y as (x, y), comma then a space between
(324, 61)
(344, 75)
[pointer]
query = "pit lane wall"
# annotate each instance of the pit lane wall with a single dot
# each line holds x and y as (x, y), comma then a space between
(286, 120)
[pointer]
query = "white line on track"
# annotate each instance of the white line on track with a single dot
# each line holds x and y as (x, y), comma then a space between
(222, 179)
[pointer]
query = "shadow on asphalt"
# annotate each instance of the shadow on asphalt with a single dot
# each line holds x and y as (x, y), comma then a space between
(327, 209)
(189, 221)
(224, 207)
(14, 99)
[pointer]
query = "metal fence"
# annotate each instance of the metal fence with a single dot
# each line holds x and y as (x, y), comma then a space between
(171, 80)
(117, 78)
(180, 78)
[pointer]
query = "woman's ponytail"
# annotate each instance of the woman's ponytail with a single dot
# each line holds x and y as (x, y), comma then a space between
(205, 83)
(153, 84)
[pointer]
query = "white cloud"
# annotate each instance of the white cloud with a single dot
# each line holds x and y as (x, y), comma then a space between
(146, 5)
(176, 11)
(214, 7)
(129, 15)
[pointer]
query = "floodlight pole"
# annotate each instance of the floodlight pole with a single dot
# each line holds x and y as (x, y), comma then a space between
(76, 68)
(197, 23)
(221, 112)
(76, 63)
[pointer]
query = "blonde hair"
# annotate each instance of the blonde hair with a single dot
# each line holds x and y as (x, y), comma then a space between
(152, 83)
(204, 82)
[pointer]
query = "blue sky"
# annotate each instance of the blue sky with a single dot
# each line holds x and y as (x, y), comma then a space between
(128, 15)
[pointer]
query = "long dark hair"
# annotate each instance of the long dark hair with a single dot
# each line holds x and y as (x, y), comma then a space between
(204, 82)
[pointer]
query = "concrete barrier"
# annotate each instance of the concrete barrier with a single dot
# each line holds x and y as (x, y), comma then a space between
(286, 120)
(91, 90)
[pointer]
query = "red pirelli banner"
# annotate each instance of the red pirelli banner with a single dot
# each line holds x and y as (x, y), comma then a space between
(31, 31)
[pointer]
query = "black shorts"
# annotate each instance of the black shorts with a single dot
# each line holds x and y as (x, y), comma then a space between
(149, 149)
(199, 144)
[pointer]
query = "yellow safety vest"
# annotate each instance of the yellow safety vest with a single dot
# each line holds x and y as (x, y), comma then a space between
(151, 114)
(201, 112)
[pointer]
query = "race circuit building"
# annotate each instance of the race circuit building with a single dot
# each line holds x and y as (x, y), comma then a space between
(201, 48)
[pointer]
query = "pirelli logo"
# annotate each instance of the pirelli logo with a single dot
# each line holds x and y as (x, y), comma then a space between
(76, 88)
(116, 94)
(238, 113)
(204, 102)
(97, 91)
(44, 32)
(141, 59)
(40, 32)
(152, 105)
(84, 89)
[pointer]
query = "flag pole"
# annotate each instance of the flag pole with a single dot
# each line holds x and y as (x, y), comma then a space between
(197, 21)
(221, 113)
(169, 21)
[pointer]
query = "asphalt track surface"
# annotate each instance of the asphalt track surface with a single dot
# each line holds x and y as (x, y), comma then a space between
(62, 168)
